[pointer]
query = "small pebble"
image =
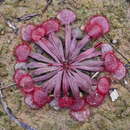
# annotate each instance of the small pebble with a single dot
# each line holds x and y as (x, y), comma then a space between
(114, 41)
(114, 95)
(21, 65)
(54, 104)
(125, 82)
(76, 32)
(82, 27)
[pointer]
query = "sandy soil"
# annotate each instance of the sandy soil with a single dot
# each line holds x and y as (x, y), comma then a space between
(111, 115)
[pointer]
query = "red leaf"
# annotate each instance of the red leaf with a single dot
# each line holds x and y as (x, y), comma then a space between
(18, 74)
(95, 99)
(29, 101)
(22, 52)
(66, 16)
(66, 101)
(94, 30)
(102, 21)
(26, 83)
(111, 62)
(51, 25)
(26, 32)
(78, 105)
(38, 33)
(103, 85)
(40, 97)
(120, 72)
(81, 115)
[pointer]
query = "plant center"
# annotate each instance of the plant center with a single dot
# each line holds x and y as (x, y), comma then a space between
(66, 65)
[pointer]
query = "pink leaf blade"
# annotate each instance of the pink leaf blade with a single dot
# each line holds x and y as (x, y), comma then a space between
(85, 40)
(33, 65)
(65, 83)
(85, 54)
(75, 89)
(40, 71)
(82, 81)
(80, 45)
(72, 46)
(46, 49)
(51, 47)
(68, 31)
(44, 77)
(40, 57)
(120, 73)
(85, 77)
(95, 54)
(57, 44)
(57, 90)
(88, 68)
(90, 63)
(50, 84)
